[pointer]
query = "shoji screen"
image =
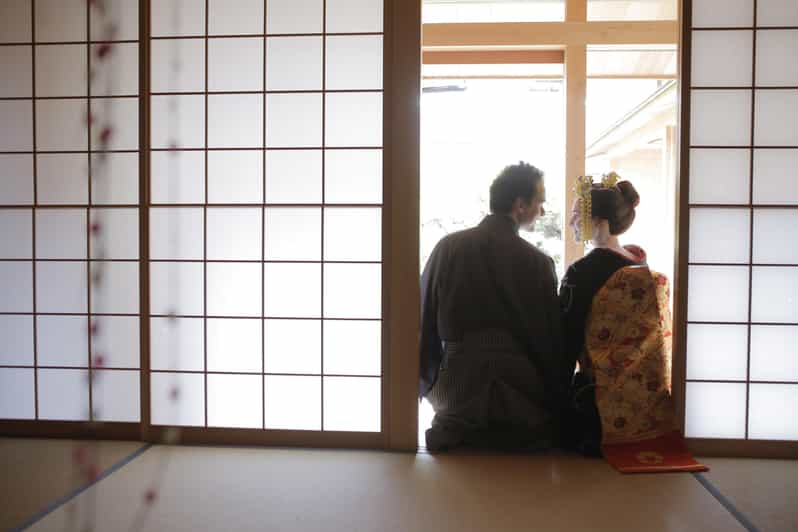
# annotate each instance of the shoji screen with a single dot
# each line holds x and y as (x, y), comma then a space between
(69, 272)
(742, 303)
(266, 213)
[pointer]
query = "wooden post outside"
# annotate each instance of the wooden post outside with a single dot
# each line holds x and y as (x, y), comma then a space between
(575, 94)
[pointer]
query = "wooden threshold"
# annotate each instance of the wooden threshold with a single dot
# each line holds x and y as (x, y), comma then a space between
(743, 448)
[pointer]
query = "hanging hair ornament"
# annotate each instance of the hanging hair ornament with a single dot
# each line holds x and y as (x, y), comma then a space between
(584, 184)
(610, 179)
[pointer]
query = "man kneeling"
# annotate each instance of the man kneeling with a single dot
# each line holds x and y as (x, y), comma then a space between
(491, 346)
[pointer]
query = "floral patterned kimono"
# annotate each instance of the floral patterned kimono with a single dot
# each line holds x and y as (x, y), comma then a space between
(628, 343)
(625, 363)
(616, 320)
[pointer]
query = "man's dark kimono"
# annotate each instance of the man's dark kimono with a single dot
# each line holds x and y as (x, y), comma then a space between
(491, 348)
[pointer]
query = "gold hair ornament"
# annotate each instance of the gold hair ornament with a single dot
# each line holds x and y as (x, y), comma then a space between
(584, 184)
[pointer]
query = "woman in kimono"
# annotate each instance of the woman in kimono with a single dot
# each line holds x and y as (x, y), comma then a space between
(616, 325)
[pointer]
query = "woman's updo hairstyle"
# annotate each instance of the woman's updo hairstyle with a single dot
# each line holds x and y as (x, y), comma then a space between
(615, 204)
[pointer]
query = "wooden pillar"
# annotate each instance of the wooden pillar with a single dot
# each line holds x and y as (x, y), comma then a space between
(401, 223)
(575, 94)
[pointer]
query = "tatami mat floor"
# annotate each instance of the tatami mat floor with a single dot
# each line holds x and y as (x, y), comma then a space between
(223, 488)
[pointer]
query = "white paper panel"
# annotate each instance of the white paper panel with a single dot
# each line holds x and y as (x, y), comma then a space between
(63, 394)
(353, 176)
(62, 341)
(235, 345)
(719, 235)
(294, 63)
(353, 291)
(17, 131)
(115, 396)
(774, 295)
(235, 121)
(776, 115)
(285, 354)
(715, 410)
(772, 415)
(17, 399)
(125, 13)
(720, 118)
(235, 64)
(190, 109)
(234, 289)
(17, 64)
(124, 113)
(60, 20)
(776, 13)
(190, 76)
(353, 234)
(773, 181)
(16, 179)
(118, 292)
(293, 120)
(722, 58)
(352, 347)
(61, 125)
(63, 178)
(118, 341)
(178, 177)
(613, 10)
(119, 73)
(292, 402)
(292, 290)
(177, 399)
(176, 287)
(769, 247)
(293, 176)
(293, 233)
(121, 180)
(235, 17)
(354, 119)
(61, 70)
(235, 401)
(177, 344)
(176, 233)
(773, 353)
(354, 62)
(16, 285)
(61, 234)
(16, 349)
(352, 404)
(61, 287)
(351, 16)
(294, 16)
(775, 58)
(16, 234)
(717, 293)
(723, 13)
(118, 236)
(235, 176)
(234, 233)
(717, 352)
(15, 21)
(191, 17)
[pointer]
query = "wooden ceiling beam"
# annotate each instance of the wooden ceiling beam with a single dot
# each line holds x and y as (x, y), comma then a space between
(549, 33)
(493, 57)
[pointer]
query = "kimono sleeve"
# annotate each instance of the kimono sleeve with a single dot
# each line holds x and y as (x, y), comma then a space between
(430, 348)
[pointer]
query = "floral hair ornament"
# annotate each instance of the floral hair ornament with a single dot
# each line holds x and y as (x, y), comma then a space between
(584, 184)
